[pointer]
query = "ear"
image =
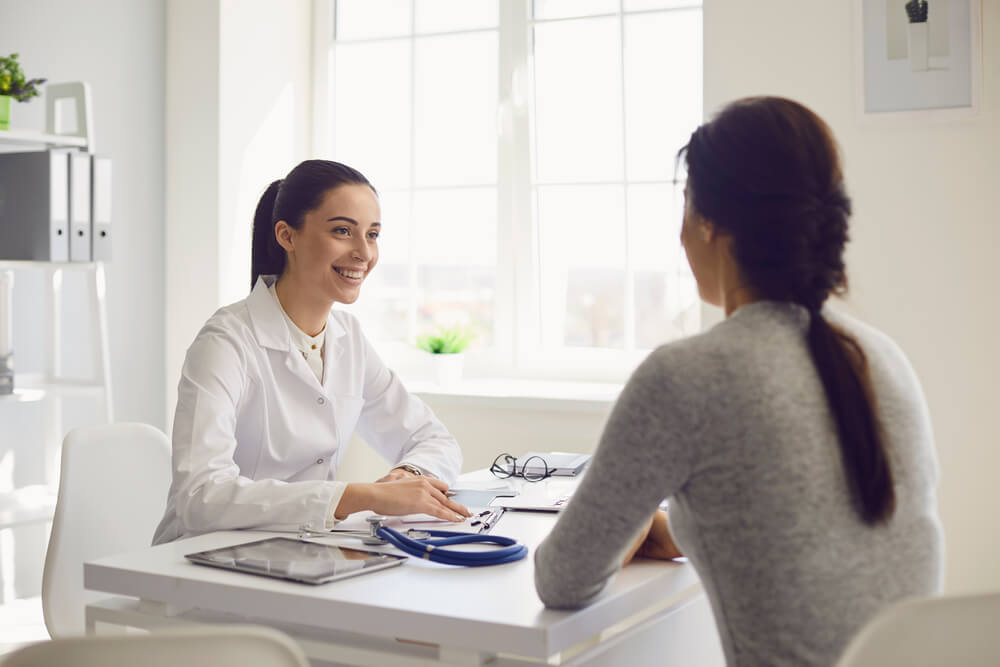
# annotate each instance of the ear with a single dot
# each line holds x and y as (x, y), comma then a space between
(708, 230)
(283, 234)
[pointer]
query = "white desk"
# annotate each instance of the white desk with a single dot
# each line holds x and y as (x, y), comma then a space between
(460, 615)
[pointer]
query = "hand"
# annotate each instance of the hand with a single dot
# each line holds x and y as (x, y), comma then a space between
(411, 495)
(655, 541)
(394, 474)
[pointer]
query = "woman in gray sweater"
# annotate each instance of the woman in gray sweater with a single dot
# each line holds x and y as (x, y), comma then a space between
(794, 443)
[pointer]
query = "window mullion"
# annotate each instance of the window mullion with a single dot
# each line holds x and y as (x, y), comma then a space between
(516, 248)
(412, 302)
(628, 311)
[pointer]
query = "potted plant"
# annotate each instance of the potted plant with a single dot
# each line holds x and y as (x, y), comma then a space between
(446, 347)
(14, 86)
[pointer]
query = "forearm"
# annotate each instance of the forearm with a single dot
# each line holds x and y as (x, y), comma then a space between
(356, 497)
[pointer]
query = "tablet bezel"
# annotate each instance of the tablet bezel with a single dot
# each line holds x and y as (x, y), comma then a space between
(381, 561)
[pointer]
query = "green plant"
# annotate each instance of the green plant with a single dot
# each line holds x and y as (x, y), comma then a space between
(13, 82)
(447, 340)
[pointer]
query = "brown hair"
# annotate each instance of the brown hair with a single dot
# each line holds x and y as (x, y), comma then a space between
(766, 171)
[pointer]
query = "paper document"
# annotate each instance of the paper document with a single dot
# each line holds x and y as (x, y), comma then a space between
(534, 502)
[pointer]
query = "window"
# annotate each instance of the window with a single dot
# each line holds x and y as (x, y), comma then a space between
(524, 155)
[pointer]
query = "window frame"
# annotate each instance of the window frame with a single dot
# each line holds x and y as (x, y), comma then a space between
(517, 351)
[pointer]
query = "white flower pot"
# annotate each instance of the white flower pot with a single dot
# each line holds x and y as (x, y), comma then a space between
(447, 368)
(917, 40)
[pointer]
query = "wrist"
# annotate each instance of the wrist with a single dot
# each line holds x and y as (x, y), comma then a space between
(357, 497)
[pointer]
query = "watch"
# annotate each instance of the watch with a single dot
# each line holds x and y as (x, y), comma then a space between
(409, 467)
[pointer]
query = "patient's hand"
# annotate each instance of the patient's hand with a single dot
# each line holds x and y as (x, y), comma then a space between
(655, 541)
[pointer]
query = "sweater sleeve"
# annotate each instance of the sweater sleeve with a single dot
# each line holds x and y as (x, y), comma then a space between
(640, 460)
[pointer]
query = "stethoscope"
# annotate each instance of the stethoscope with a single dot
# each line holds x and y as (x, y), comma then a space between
(427, 544)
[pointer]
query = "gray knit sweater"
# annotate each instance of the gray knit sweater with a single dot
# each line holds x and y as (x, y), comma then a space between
(733, 426)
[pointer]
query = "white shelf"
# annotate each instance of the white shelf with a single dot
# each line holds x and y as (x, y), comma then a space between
(19, 264)
(22, 395)
(58, 386)
(29, 504)
(35, 138)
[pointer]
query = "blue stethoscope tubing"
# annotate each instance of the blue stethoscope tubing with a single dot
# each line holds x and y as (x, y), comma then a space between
(508, 549)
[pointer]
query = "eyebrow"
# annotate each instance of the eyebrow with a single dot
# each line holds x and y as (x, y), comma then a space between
(350, 220)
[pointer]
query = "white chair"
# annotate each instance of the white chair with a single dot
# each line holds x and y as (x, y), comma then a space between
(205, 646)
(112, 493)
(958, 631)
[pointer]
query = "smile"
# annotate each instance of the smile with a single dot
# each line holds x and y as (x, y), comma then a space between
(350, 274)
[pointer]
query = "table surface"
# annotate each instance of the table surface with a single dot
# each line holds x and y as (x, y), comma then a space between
(493, 609)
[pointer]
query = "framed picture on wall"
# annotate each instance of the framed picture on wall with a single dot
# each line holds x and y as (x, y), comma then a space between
(919, 56)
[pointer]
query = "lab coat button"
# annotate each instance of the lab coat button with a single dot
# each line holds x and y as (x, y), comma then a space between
(321, 400)
(319, 461)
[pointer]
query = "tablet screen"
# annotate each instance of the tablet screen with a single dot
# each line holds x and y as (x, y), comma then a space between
(298, 560)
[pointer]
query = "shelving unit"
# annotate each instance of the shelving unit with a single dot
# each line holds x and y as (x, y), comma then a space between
(34, 504)
(33, 138)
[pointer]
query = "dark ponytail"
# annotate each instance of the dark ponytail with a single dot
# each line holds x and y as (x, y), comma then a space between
(289, 199)
(767, 173)
(266, 256)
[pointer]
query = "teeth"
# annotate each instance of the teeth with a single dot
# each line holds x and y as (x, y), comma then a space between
(349, 274)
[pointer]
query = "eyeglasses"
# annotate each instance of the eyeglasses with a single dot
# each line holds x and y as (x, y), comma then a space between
(533, 469)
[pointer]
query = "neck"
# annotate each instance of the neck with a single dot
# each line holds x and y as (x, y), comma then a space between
(303, 308)
(734, 291)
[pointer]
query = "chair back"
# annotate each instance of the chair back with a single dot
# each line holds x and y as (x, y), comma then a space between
(199, 646)
(958, 631)
(112, 492)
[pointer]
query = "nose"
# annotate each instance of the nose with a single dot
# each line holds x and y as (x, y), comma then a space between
(361, 252)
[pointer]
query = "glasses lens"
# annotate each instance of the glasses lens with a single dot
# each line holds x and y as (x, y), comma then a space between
(503, 466)
(535, 469)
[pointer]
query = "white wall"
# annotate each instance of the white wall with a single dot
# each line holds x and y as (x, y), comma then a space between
(238, 102)
(924, 235)
(118, 47)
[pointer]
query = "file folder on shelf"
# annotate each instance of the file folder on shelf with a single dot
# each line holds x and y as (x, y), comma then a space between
(34, 206)
(79, 207)
(101, 208)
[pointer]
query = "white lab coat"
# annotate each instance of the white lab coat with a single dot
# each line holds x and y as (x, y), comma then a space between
(257, 439)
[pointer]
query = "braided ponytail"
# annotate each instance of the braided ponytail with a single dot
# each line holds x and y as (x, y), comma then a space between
(766, 172)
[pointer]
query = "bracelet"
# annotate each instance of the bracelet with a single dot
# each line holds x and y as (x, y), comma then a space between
(409, 467)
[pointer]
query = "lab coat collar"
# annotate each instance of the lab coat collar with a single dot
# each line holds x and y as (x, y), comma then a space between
(269, 325)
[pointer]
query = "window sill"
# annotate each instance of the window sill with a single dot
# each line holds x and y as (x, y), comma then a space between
(592, 397)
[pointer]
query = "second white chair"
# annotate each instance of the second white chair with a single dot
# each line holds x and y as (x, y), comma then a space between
(958, 631)
(112, 491)
(215, 646)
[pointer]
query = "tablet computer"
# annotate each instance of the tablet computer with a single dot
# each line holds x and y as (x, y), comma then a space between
(296, 560)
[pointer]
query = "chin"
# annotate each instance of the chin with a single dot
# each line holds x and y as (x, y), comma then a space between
(348, 298)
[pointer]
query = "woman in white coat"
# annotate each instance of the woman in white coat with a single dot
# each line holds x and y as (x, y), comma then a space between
(274, 385)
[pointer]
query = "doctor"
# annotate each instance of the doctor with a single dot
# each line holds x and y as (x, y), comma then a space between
(274, 385)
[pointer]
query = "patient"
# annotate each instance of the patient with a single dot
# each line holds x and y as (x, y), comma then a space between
(793, 442)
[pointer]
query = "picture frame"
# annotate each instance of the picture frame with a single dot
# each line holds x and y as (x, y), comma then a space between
(919, 59)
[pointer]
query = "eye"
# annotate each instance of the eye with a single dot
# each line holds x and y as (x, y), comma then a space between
(341, 231)
(373, 235)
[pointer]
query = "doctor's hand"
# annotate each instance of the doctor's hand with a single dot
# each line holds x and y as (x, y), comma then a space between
(654, 541)
(413, 495)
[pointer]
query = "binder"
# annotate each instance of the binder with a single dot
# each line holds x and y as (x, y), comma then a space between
(79, 207)
(34, 206)
(101, 208)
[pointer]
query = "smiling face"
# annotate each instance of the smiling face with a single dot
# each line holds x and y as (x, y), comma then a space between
(337, 246)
